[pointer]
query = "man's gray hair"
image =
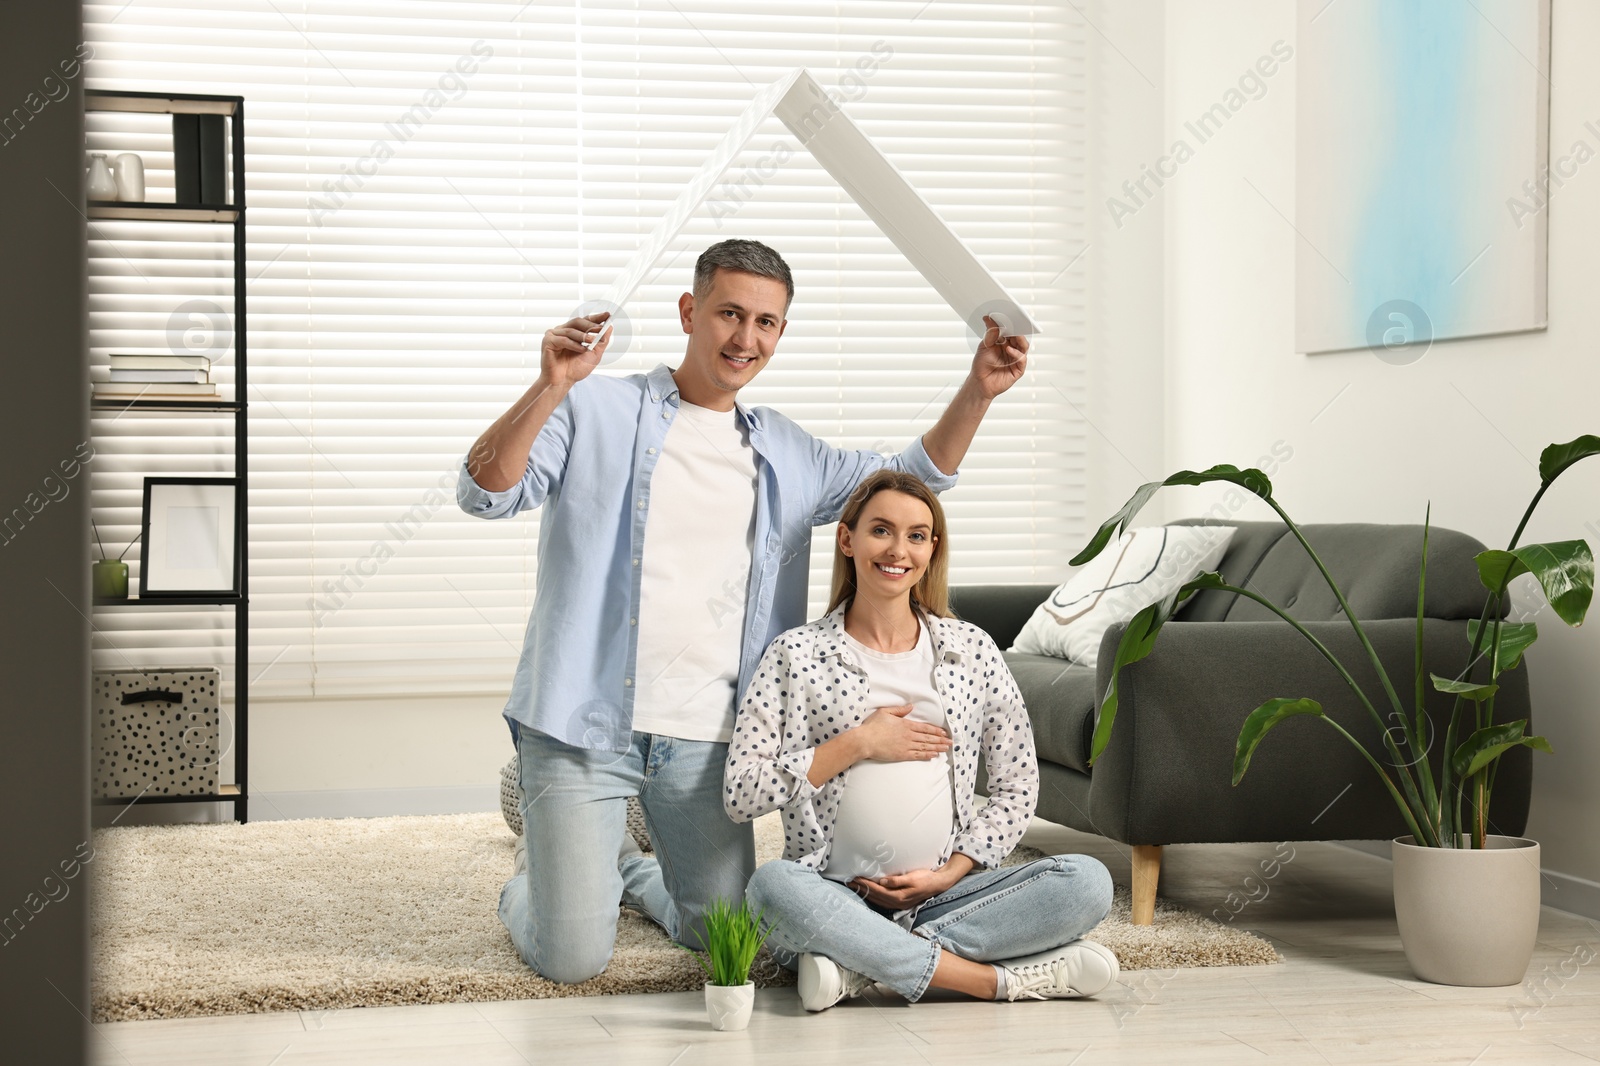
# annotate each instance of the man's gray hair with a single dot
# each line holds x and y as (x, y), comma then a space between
(748, 257)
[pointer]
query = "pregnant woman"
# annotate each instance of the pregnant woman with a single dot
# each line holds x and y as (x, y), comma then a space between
(865, 729)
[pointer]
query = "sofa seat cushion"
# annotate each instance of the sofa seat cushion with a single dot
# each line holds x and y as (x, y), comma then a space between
(1060, 698)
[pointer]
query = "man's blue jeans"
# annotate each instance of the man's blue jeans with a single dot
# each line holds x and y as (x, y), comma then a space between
(562, 911)
(987, 916)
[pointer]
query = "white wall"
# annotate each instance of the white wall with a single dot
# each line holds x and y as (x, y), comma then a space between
(1463, 427)
(1126, 441)
(392, 756)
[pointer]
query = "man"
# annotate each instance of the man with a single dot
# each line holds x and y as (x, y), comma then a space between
(674, 547)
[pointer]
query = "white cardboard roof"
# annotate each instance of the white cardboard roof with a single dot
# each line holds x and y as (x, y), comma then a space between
(872, 181)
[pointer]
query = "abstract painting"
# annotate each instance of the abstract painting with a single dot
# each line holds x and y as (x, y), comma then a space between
(1422, 171)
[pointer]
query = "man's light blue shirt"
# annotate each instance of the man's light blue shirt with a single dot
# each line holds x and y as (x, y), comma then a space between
(590, 469)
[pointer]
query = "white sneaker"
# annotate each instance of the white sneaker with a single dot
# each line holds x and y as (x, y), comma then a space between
(824, 982)
(1081, 968)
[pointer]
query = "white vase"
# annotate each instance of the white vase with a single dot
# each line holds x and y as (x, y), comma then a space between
(728, 1006)
(130, 177)
(1468, 917)
(102, 186)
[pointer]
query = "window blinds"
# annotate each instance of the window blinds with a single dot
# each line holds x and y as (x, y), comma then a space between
(431, 185)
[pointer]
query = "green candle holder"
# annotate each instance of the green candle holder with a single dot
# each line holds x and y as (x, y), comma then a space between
(110, 579)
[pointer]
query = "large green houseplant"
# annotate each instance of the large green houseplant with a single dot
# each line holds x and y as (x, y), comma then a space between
(1444, 810)
(1449, 810)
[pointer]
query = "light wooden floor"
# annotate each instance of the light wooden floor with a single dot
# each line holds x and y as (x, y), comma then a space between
(1342, 995)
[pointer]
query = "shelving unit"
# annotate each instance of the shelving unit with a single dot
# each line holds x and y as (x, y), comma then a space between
(231, 214)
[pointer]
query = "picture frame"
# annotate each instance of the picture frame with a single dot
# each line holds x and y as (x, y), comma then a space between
(189, 537)
(1418, 209)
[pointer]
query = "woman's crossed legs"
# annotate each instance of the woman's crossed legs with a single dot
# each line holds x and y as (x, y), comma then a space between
(990, 916)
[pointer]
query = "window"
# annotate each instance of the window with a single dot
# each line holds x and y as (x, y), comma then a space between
(432, 185)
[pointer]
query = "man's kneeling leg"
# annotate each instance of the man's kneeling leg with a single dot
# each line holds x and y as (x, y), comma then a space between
(561, 911)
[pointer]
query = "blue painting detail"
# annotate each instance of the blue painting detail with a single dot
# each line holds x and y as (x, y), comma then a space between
(1409, 243)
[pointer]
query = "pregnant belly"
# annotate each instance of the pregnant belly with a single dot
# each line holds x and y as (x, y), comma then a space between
(893, 817)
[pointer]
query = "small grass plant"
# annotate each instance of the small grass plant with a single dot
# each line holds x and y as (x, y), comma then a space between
(733, 937)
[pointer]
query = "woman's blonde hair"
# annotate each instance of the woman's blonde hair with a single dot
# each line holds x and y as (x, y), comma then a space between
(932, 591)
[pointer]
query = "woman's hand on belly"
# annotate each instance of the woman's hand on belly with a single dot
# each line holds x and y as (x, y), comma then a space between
(916, 886)
(889, 736)
(886, 735)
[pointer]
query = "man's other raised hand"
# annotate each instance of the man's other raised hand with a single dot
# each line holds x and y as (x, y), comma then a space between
(565, 358)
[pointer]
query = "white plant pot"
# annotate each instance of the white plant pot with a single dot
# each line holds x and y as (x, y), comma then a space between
(1468, 916)
(728, 1006)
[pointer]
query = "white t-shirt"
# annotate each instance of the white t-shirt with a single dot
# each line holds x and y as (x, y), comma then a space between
(895, 817)
(694, 576)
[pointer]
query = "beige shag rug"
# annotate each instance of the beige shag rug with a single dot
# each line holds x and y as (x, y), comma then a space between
(328, 913)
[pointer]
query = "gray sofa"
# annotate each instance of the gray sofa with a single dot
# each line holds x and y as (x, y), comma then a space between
(1164, 778)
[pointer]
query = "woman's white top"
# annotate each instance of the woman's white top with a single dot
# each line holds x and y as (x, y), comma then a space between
(895, 817)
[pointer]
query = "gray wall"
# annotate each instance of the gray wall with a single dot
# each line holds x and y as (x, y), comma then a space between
(44, 499)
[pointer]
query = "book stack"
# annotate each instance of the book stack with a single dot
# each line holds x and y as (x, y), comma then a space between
(158, 377)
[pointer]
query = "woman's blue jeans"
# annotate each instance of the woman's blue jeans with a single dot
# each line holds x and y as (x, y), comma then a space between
(987, 916)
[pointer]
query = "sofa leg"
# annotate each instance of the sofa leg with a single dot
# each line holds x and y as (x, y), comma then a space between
(1146, 872)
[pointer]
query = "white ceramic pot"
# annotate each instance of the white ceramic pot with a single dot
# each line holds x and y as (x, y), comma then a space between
(129, 172)
(1468, 917)
(728, 1006)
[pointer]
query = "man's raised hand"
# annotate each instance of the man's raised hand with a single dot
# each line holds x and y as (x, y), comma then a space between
(499, 458)
(1000, 360)
(563, 358)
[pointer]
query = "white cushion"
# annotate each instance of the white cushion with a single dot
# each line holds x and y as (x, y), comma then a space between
(1140, 567)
